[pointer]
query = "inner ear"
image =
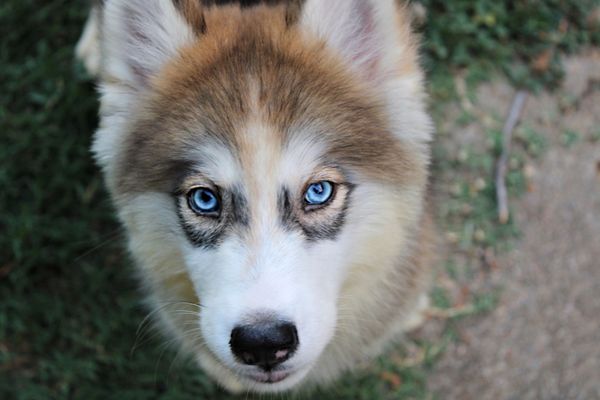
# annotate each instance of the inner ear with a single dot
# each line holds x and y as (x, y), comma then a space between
(367, 48)
(352, 28)
(141, 36)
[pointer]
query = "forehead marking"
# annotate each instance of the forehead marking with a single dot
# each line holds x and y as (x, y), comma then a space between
(210, 92)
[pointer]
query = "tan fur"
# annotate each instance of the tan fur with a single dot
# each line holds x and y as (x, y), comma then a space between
(194, 15)
(305, 83)
(253, 84)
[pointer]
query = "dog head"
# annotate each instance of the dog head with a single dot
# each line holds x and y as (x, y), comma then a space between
(258, 157)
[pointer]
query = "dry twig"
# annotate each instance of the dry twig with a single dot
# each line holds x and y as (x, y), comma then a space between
(448, 313)
(501, 167)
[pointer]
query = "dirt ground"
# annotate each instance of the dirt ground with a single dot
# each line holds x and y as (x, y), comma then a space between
(543, 340)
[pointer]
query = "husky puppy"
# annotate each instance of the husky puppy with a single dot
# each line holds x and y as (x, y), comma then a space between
(270, 165)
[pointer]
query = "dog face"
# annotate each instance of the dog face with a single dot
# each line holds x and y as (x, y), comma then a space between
(256, 161)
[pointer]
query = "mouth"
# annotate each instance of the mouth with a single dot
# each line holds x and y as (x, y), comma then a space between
(268, 377)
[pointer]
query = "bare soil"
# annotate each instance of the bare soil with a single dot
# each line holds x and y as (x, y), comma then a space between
(543, 339)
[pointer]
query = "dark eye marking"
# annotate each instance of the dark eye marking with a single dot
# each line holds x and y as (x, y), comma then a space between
(239, 207)
(207, 237)
(286, 210)
(326, 227)
(208, 215)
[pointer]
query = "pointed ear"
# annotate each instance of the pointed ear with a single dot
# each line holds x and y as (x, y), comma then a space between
(375, 40)
(138, 37)
(141, 36)
(359, 30)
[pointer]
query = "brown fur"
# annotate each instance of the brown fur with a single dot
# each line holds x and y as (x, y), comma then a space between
(252, 84)
(206, 92)
(193, 13)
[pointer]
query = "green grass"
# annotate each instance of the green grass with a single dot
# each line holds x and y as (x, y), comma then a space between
(524, 39)
(69, 306)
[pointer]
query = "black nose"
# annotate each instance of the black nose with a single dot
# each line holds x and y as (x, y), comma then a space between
(265, 344)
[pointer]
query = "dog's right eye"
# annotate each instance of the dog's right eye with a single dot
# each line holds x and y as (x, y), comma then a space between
(204, 201)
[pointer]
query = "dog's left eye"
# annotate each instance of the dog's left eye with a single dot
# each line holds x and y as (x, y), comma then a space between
(204, 201)
(318, 193)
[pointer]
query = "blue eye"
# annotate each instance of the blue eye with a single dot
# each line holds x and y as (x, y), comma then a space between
(204, 201)
(319, 193)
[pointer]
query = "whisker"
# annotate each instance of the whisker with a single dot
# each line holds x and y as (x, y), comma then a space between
(113, 236)
(145, 323)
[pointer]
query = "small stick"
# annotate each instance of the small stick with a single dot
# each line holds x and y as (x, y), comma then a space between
(447, 313)
(501, 167)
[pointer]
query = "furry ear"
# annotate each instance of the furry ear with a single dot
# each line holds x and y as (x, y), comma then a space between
(358, 29)
(375, 40)
(140, 37)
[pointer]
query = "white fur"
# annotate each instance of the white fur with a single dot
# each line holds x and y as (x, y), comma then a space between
(140, 37)
(116, 105)
(88, 47)
(342, 24)
(270, 270)
(274, 271)
(329, 288)
(219, 165)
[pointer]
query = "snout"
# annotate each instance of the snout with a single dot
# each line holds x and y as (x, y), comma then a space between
(265, 344)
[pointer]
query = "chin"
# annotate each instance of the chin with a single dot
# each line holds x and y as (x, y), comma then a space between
(248, 379)
(273, 382)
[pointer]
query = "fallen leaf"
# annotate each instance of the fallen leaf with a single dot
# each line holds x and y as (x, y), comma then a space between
(542, 62)
(392, 379)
